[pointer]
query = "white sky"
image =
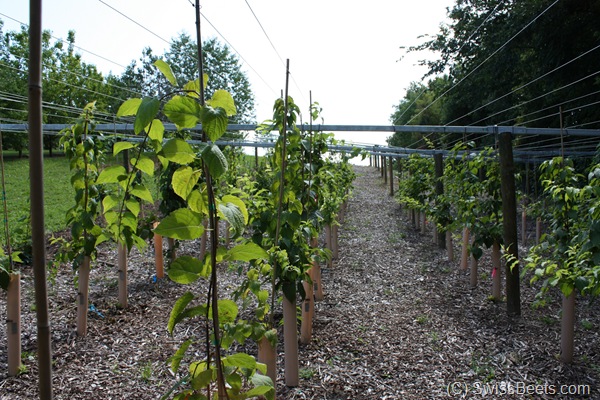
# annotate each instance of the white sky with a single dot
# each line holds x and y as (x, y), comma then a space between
(346, 52)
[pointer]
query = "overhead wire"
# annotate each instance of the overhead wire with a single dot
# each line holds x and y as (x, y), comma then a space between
(526, 84)
(459, 49)
(75, 46)
(486, 60)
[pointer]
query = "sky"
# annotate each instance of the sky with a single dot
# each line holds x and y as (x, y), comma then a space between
(346, 53)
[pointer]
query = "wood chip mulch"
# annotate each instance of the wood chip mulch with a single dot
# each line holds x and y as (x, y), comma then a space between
(398, 321)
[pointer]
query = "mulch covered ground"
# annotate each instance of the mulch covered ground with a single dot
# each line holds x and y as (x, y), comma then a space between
(399, 321)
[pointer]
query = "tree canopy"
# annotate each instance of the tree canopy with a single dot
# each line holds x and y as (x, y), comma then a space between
(514, 63)
(70, 83)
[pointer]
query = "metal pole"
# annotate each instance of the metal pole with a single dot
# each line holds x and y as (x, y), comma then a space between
(36, 179)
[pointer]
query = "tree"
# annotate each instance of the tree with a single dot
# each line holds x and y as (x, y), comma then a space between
(510, 62)
(221, 66)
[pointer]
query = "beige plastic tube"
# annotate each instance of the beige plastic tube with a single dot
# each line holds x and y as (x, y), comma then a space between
(267, 354)
(290, 343)
(464, 258)
(82, 296)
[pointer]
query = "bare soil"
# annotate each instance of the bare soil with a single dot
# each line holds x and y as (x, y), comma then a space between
(399, 321)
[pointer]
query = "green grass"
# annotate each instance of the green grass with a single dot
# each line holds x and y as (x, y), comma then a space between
(58, 195)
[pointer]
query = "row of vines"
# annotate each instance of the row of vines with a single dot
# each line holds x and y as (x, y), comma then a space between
(270, 218)
(466, 196)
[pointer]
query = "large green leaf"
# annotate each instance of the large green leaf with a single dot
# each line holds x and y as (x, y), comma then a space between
(214, 122)
(129, 107)
(166, 71)
(246, 252)
(144, 164)
(183, 181)
(145, 114)
(187, 269)
(224, 100)
(178, 356)
(157, 130)
(215, 160)
(228, 311)
(178, 308)
(181, 224)
(120, 146)
(179, 151)
(142, 192)
(183, 111)
(239, 203)
(198, 202)
(192, 88)
(232, 214)
(111, 174)
(240, 360)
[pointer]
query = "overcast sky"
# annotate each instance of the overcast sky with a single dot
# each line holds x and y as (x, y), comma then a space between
(348, 53)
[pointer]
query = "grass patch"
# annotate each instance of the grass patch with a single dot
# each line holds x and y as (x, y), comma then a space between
(58, 196)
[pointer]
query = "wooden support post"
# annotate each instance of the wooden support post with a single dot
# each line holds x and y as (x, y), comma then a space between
(496, 272)
(438, 159)
(391, 169)
(13, 324)
(83, 283)
(509, 212)
(524, 226)
(122, 261)
(384, 173)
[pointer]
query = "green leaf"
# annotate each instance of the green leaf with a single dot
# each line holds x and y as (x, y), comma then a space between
(240, 360)
(129, 107)
(228, 311)
(232, 214)
(142, 192)
(178, 308)
(111, 174)
(166, 71)
(133, 206)
(261, 380)
(183, 181)
(260, 391)
(235, 381)
(198, 202)
(178, 151)
(120, 146)
(144, 164)
(214, 122)
(187, 269)
(246, 252)
(145, 114)
(192, 88)
(109, 202)
(181, 224)
(157, 130)
(215, 160)
(183, 111)
(178, 356)
(224, 100)
(239, 203)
